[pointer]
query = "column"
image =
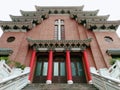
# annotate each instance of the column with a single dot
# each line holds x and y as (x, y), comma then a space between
(87, 67)
(49, 72)
(68, 68)
(32, 64)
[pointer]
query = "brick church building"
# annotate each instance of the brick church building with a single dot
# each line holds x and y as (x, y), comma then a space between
(60, 44)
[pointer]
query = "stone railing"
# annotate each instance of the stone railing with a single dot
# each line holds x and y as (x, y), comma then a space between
(115, 70)
(5, 70)
(13, 79)
(107, 79)
(105, 83)
(15, 82)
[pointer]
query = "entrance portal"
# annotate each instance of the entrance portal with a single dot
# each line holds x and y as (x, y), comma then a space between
(59, 68)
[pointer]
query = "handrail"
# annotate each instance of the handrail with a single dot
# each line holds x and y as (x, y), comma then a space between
(114, 66)
(104, 82)
(114, 70)
(15, 82)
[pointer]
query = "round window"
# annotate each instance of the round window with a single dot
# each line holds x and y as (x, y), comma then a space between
(10, 39)
(108, 39)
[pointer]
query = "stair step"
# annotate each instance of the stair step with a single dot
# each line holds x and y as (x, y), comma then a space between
(79, 86)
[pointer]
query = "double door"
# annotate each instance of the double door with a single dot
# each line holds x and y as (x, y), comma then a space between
(59, 69)
(78, 74)
(40, 70)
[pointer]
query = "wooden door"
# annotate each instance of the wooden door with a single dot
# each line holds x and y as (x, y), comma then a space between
(78, 74)
(59, 70)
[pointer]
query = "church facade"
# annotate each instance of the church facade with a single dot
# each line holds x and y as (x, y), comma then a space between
(60, 44)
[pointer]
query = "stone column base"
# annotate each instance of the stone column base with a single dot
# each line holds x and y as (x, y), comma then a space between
(29, 82)
(90, 82)
(48, 82)
(70, 82)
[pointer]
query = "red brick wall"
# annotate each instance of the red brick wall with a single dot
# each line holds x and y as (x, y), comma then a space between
(104, 45)
(73, 31)
(45, 31)
(15, 45)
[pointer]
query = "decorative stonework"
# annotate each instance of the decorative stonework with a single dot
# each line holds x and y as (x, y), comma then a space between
(91, 18)
(52, 44)
(88, 19)
(6, 25)
(104, 25)
(34, 13)
(83, 13)
(34, 20)
(59, 9)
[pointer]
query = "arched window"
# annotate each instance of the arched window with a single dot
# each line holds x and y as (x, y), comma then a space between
(108, 39)
(59, 30)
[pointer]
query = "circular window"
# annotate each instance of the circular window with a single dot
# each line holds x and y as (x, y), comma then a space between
(10, 39)
(108, 39)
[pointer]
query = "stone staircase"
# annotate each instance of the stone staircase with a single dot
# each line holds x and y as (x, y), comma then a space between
(76, 86)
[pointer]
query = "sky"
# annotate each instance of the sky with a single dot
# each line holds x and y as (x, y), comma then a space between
(105, 7)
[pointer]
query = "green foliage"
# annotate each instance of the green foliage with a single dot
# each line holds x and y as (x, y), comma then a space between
(19, 65)
(12, 63)
(7, 61)
(114, 60)
(3, 58)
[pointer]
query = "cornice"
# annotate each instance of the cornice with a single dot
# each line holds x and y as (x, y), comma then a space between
(91, 18)
(5, 51)
(15, 25)
(83, 13)
(75, 8)
(88, 19)
(32, 19)
(59, 43)
(104, 25)
(113, 51)
(34, 13)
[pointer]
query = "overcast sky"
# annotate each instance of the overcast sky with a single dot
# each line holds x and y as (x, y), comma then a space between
(106, 7)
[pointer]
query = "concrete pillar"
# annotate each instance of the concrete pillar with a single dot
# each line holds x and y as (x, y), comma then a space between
(49, 72)
(87, 67)
(32, 64)
(68, 68)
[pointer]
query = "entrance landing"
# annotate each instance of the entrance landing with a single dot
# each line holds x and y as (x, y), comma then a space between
(76, 86)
